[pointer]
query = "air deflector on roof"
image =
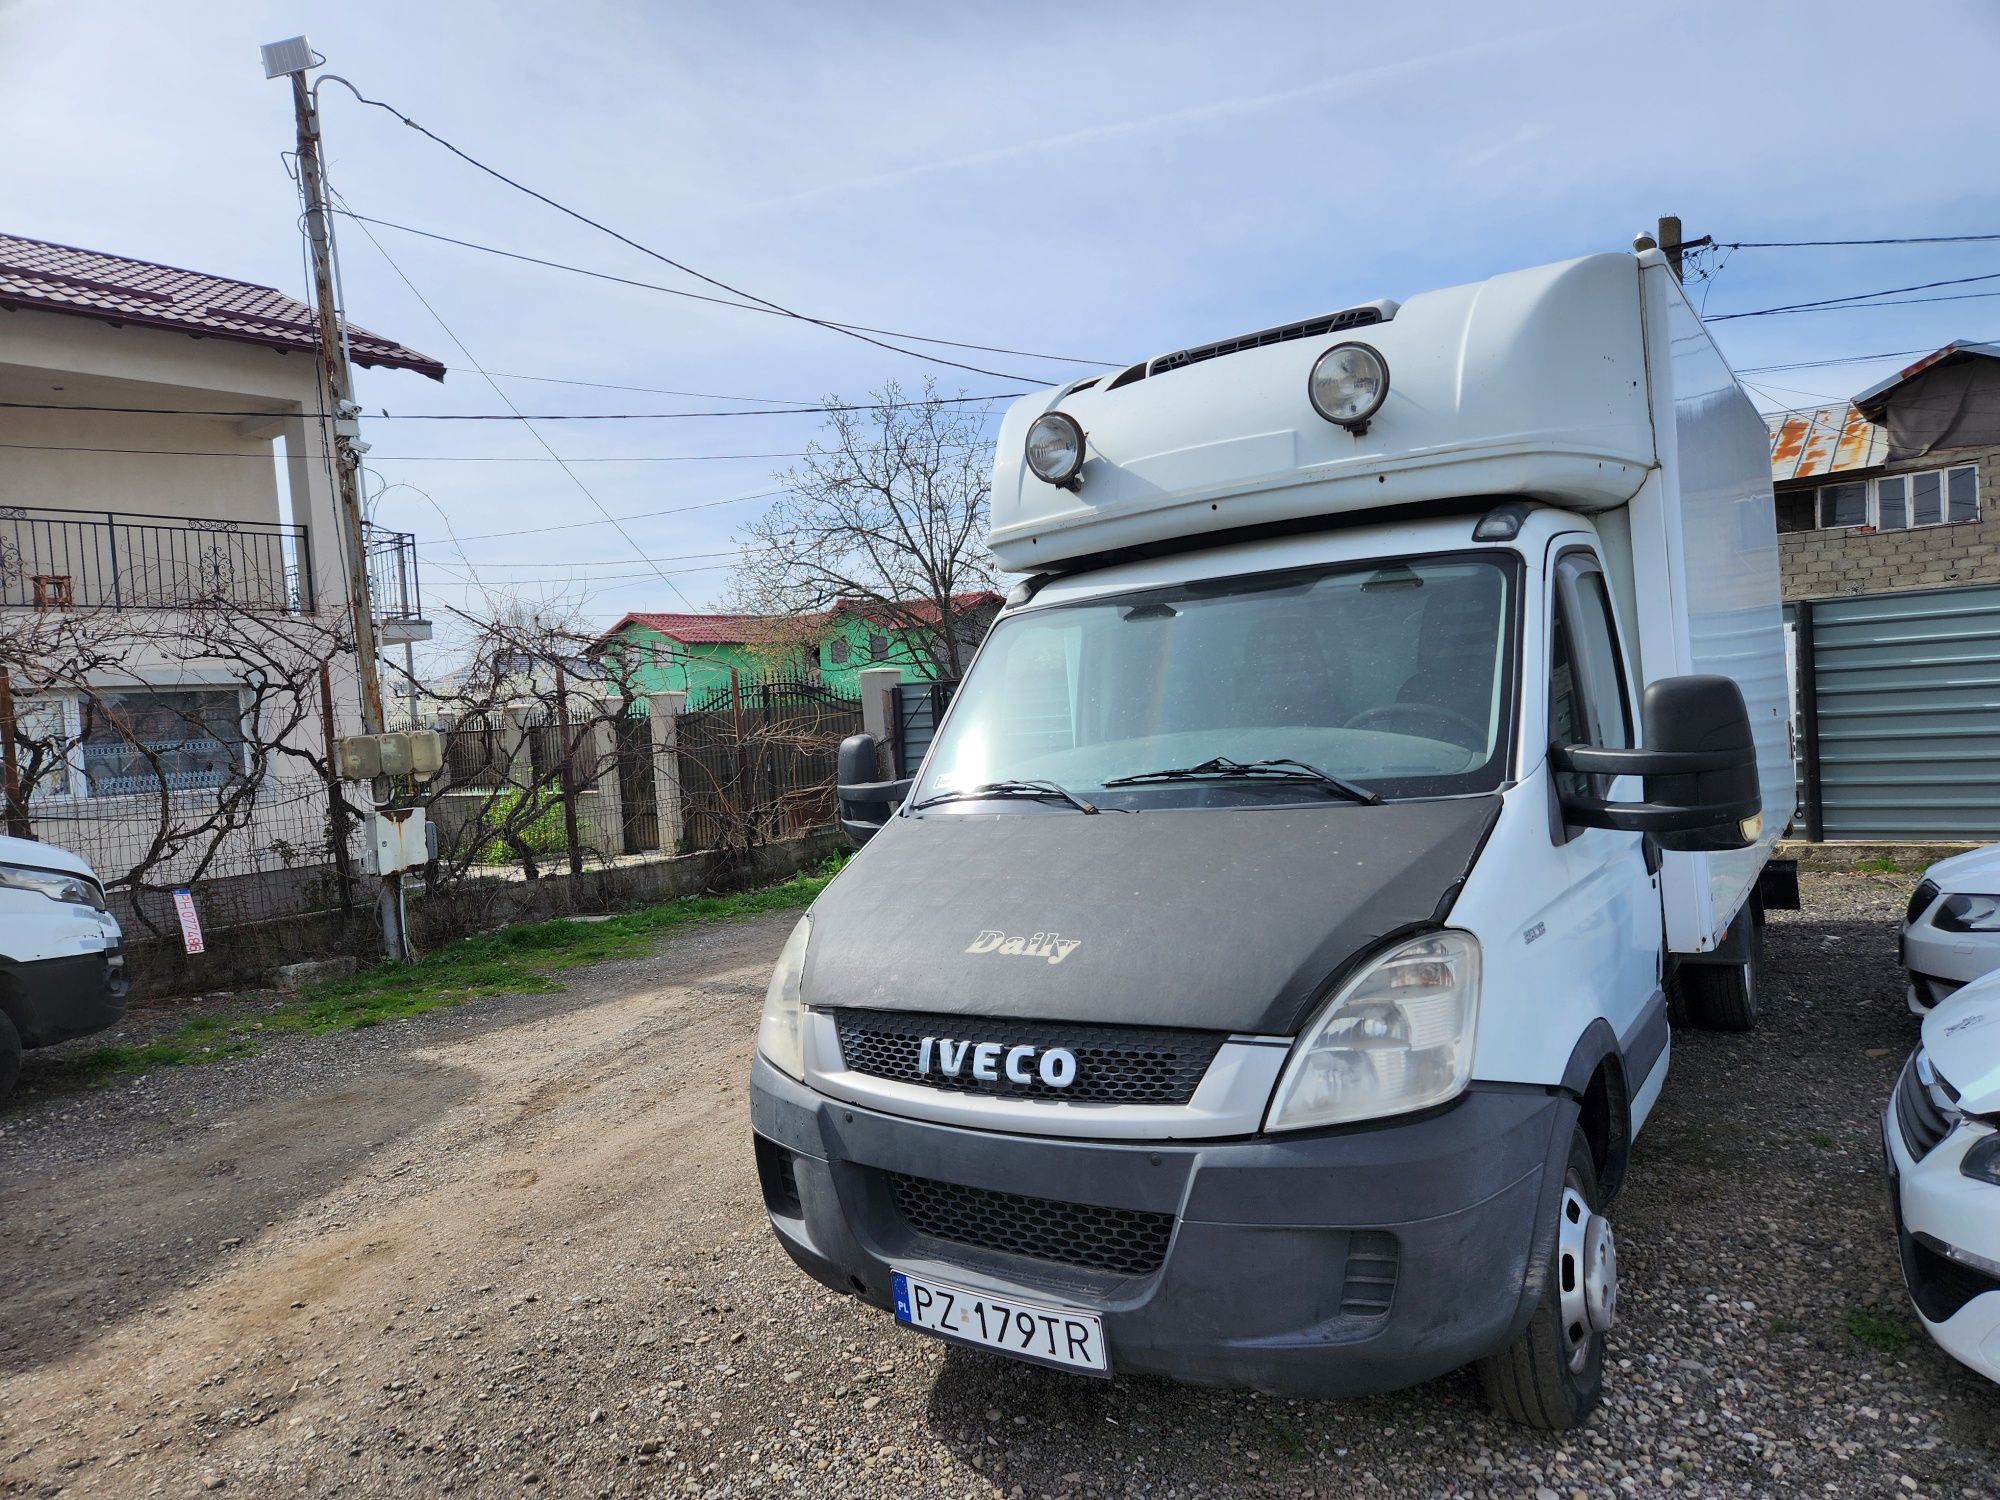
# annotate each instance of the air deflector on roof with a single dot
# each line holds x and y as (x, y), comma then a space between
(1351, 317)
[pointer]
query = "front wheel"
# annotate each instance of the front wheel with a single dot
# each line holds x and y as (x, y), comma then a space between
(1553, 1375)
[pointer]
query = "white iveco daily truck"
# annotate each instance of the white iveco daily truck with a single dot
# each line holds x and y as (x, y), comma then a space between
(1266, 975)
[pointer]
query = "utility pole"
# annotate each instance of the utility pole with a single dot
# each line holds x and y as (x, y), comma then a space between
(1669, 238)
(293, 58)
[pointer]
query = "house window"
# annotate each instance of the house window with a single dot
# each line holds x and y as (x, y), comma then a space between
(838, 650)
(1843, 505)
(45, 749)
(183, 739)
(1893, 502)
(878, 647)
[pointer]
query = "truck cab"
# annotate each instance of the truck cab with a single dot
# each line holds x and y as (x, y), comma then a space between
(1264, 977)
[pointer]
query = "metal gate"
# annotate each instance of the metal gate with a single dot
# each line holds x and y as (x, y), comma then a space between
(920, 709)
(1899, 714)
(756, 760)
(638, 791)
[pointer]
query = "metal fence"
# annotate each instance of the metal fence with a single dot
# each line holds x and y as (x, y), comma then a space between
(73, 559)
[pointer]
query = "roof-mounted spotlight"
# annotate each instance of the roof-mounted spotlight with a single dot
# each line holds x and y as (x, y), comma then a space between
(1055, 450)
(1348, 385)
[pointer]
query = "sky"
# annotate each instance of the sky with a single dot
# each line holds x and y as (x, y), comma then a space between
(1101, 182)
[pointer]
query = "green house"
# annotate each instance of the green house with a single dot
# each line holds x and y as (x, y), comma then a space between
(694, 653)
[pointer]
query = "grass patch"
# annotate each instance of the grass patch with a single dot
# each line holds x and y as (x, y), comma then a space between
(513, 961)
(1879, 864)
(102, 1064)
(1877, 1329)
(1782, 1326)
(1821, 1140)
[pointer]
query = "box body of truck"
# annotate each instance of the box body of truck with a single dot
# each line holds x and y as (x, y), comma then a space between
(1266, 974)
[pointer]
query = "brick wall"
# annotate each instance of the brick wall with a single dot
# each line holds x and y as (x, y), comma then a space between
(1816, 564)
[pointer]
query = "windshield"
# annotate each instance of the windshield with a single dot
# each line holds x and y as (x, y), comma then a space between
(1393, 674)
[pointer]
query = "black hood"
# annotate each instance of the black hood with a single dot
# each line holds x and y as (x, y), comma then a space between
(1226, 919)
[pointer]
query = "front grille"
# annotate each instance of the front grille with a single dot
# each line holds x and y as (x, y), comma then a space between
(1373, 1259)
(1920, 901)
(1070, 1234)
(1114, 1064)
(1353, 317)
(1923, 1122)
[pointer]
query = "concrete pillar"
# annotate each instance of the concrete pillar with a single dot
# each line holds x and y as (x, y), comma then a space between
(667, 766)
(878, 714)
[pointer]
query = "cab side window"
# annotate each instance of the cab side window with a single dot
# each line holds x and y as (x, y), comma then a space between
(1587, 696)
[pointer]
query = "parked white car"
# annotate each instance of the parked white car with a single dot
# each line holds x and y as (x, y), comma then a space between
(62, 955)
(1941, 1137)
(1951, 932)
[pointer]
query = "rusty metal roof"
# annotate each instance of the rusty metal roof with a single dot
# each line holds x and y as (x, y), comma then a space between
(1824, 440)
(114, 289)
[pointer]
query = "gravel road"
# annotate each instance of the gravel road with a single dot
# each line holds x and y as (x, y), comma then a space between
(515, 1248)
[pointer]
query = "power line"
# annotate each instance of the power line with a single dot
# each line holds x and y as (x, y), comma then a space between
(1917, 239)
(643, 515)
(1861, 297)
(646, 250)
(574, 478)
(516, 415)
(675, 291)
(650, 390)
(430, 458)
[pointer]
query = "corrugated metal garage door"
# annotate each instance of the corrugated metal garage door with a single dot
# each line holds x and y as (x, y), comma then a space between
(1905, 701)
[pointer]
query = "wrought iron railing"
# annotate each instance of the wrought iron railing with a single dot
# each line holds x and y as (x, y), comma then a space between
(77, 559)
(392, 575)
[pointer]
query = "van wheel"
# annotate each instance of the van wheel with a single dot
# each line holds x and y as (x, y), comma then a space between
(1723, 997)
(1553, 1375)
(10, 1056)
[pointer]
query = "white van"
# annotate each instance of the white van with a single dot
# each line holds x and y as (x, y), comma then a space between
(62, 954)
(1265, 977)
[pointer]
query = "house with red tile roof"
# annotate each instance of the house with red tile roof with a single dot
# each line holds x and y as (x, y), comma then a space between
(693, 653)
(163, 440)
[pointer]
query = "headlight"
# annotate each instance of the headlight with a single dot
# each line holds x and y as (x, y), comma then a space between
(1982, 1162)
(780, 1035)
(1968, 914)
(1055, 448)
(1348, 385)
(57, 885)
(1395, 1037)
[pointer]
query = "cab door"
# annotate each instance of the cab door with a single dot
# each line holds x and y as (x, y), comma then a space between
(1614, 876)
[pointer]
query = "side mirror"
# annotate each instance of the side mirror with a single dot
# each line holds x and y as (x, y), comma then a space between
(866, 802)
(1699, 765)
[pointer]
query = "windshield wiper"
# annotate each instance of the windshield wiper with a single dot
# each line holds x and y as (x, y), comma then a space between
(1277, 768)
(1036, 788)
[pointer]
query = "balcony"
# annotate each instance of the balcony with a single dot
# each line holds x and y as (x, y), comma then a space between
(76, 559)
(393, 589)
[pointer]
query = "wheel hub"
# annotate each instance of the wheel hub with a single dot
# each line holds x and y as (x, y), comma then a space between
(1586, 1275)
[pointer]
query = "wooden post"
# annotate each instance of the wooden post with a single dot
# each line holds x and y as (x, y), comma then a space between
(17, 806)
(336, 804)
(1804, 656)
(567, 770)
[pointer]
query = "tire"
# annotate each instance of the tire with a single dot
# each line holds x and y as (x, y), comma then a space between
(1723, 997)
(10, 1056)
(1540, 1381)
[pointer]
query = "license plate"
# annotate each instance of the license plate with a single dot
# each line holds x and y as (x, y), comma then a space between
(1026, 1330)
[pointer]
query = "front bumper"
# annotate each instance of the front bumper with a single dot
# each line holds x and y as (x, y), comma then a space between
(1939, 962)
(1329, 1264)
(51, 1000)
(1935, 1205)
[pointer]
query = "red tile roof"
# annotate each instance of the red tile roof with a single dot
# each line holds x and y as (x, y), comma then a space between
(691, 630)
(62, 278)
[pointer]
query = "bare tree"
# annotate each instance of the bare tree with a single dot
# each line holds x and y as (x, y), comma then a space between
(886, 513)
